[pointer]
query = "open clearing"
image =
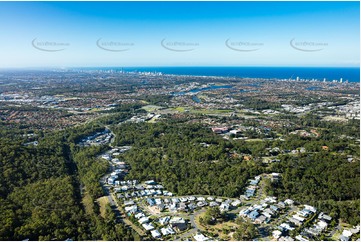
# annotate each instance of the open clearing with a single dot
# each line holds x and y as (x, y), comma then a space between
(103, 201)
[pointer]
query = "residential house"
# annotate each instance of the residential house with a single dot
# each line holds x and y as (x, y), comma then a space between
(344, 238)
(143, 220)
(178, 223)
(219, 130)
(131, 209)
(298, 218)
(274, 208)
(213, 204)
(164, 220)
(250, 191)
(202, 204)
(192, 206)
(167, 230)
(175, 200)
(276, 234)
(224, 207)
(271, 199)
(160, 207)
(347, 233)
(172, 207)
(310, 208)
(155, 234)
(111, 180)
(253, 215)
(287, 226)
(281, 205)
(275, 176)
(324, 217)
(150, 182)
(182, 206)
(286, 238)
(300, 238)
(289, 202)
(244, 212)
(295, 221)
(150, 201)
(267, 215)
(322, 225)
(129, 203)
(139, 215)
(253, 182)
(200, 237)
(236, 203)
(303, 213)
(260, 219)
(148, 226)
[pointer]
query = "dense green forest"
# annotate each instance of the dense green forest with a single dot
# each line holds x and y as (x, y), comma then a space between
(175, 154)
(43, 188)
(325, 180)
(38, 191)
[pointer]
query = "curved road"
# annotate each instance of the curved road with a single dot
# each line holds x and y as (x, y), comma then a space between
(194, 227)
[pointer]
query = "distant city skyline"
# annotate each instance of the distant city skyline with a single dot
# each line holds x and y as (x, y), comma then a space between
(101, 34)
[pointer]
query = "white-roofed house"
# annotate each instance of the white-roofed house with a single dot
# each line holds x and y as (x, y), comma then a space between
(167, 230)
(236, 203)
(289, 202)
(164, 220)
(148, 226)
(155, 234)
(200, 237)
(276, 234)
(143, 220)
(224, 207)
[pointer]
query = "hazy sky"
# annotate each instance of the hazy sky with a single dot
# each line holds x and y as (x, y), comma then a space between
(84, 34)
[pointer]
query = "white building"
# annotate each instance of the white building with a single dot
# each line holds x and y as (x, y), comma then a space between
(200, 237)
(155, 234)
(166, 231)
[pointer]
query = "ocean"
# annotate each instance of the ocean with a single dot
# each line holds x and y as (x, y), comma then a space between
(319, 73)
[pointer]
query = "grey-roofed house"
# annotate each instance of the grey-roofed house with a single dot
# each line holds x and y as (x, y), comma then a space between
(164, 220)
(260, 219)
(253, 215)
(150, 201)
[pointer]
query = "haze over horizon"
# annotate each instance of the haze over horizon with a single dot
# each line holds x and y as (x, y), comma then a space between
(148, 34)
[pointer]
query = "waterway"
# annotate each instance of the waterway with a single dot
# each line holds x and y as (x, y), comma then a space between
(197, 90)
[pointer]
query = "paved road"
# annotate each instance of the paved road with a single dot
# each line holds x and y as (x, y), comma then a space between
(193, 224)
(126, 220)
(337, 228)
(115, 207)
(120, 216)
(113, 136)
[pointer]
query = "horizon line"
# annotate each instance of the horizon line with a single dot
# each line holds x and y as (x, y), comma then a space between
(175, 66)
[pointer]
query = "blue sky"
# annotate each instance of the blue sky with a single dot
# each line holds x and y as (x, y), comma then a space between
(193, 34)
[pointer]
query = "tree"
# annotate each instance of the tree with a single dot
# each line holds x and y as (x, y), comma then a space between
(211, 215)
(246, 231)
